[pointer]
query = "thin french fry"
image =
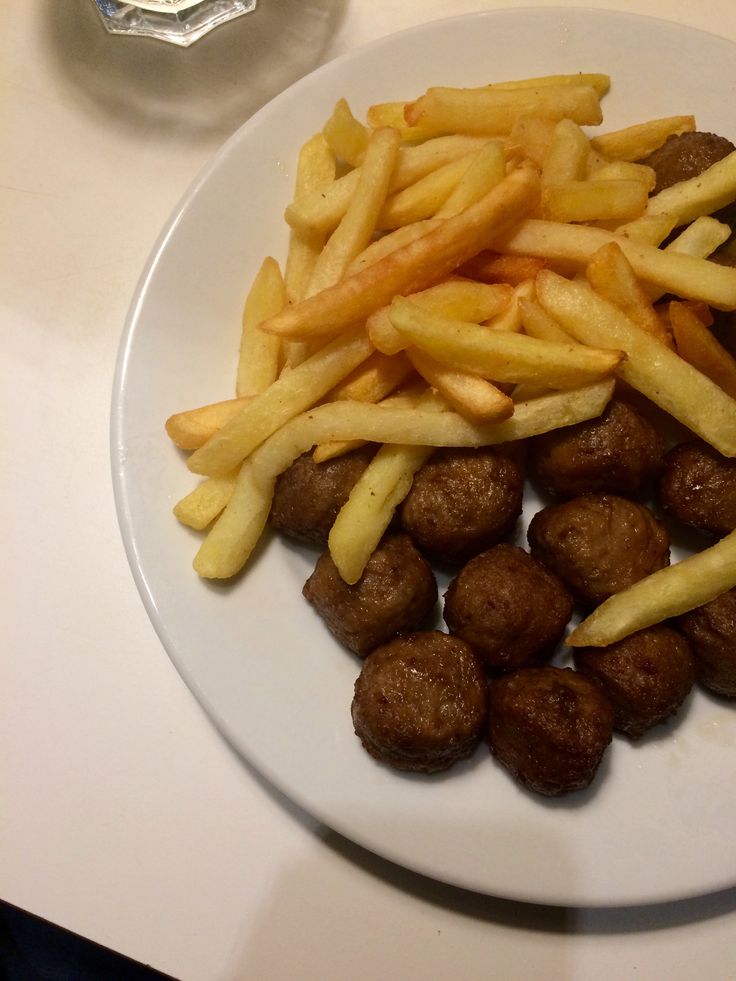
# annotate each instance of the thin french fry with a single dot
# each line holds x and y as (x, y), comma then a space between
(236, 532)
(373, 380)
(494, 267)
(601, 200)
(611, 276)
(367, 513)
(208, 499)
(486, 169)
(258, 363)
(460, 298)
(415, 266)
(670, 592)
(499, 355)
(701, 238)
(648, 229)
(193, 427)
(650, 367)
(390, 242)
(701, 195)
(538, 323)
(567, 157)
(599, 81)
(358, 223)
(685, 276)
(289, 395)
(510, 318)
(424, 198)
(638, 141)
(625, 170)
(473, 397)
(697, 345)
(493, 111)
(346, 137)
(322, 210)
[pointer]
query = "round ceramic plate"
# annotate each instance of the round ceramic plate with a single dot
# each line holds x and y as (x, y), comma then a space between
(658, 822)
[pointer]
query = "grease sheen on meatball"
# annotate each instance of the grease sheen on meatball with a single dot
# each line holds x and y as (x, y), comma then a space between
(619, 452)
(308, 495)
(462, 501)
(395, 593)
(509, 607)
(549, 727)
(599, 544)
(698, 487)
(646, 677)
(420, 702)
(711, 630)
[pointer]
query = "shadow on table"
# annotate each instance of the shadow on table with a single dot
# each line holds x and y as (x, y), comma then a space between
(193, 94)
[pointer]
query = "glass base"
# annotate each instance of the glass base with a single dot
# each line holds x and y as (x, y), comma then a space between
(179, 22)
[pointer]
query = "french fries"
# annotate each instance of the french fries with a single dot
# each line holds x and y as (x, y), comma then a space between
(667, 593)
(697, 345)
(638, 141)
(258, 364)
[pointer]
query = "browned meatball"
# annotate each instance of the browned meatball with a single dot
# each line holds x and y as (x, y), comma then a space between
(309, 495)
(698, 487)
(619, 452)
(599, 544)
(510, 608)
(420, 702)
(646, 677)
(461, 502)
(685, 156)
(550, 727)
(395, 593)
(711, 630)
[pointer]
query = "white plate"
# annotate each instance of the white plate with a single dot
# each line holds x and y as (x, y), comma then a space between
(658, 824)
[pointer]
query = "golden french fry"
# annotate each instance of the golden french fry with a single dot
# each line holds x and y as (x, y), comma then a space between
(236, 532)
(638, 141)
(697, 345)
(534, 135)
(510, 318)
(415, 266)
(258, 363)
(322, 210)
(499, 355)
(290, 394)
(624, 170)
(208, 499)
(650, 367)
(538, 323)
(701, 195)
(494, 267)
(373, 380)
(346, 137)
(315, 171)
(424, 198)
(358, 223)
(193, 427)
(599, 81)
(392, 114)
(493, 111)
(390, 242)
(685, 276)
(610, 274)
(601, 200)
(568, 153)
(367, 513)
(647, 229)
(486, 169)
(460, 298)
(701, 238)
(670, 592)
(473, 397)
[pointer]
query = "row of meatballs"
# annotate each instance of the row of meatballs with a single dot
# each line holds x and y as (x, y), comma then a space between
(425, 698)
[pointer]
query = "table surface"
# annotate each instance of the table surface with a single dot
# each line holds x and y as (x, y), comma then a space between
(126, 818)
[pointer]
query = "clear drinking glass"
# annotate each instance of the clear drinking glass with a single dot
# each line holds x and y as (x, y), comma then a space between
(177, 21)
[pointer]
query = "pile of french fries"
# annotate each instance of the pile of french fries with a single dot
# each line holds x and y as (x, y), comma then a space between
(464, 269)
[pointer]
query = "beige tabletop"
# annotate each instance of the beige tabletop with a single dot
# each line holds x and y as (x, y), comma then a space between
(125, 817)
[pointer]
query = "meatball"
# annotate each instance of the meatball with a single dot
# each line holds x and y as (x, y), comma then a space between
(599, 544)
(420, 702)
(508, 607)
(619, 452)
(685, 156)
(646, 677)
(550, 727)
(698, 487)
(711, 630)
(309, 495)
(395, 593)
(461, 502)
